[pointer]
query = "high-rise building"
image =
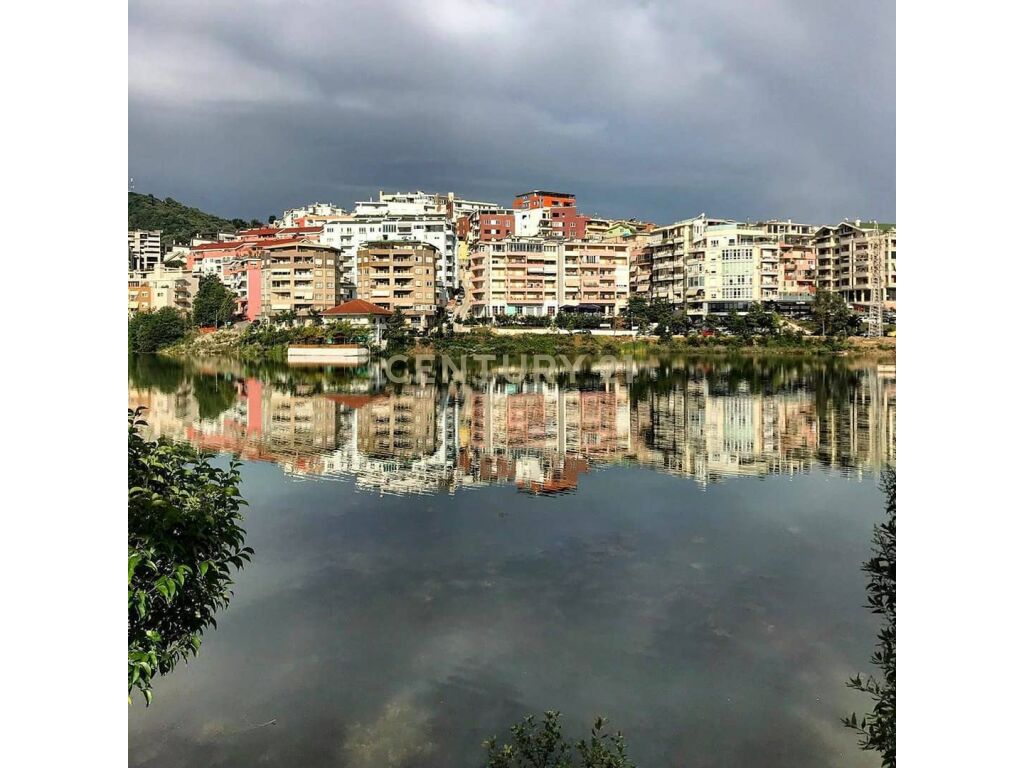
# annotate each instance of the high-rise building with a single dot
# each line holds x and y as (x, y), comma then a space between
(145, 250)
(845, 265)
(730, 267)
(299, 275)
(540, 277)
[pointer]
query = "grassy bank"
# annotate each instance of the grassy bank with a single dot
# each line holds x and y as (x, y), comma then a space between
(272, 345)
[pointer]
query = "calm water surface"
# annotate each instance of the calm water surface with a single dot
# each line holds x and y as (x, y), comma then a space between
(679, 553)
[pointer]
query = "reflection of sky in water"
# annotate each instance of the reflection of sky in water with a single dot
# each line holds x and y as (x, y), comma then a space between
(715, 623)
(715, 627)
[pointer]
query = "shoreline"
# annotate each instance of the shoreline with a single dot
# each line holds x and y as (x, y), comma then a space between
(229, 343)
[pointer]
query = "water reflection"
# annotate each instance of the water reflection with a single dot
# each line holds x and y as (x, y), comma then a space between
(705, 420)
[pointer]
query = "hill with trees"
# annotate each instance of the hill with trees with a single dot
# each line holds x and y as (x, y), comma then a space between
(178, 221)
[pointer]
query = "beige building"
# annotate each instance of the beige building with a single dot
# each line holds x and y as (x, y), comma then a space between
(161, 287)
(538, 277)
(844, 262)
(299, 275)
(400, 275)
(595, 274)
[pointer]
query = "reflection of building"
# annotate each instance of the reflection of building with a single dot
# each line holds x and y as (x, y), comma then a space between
(702, 422)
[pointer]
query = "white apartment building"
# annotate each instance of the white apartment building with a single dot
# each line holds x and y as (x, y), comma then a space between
(730, 267)
(295, 217)
(672, 246)
(415, 217)
(145, 251)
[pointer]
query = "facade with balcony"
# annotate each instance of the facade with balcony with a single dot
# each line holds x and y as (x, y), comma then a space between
(401, 275)
(299, 276)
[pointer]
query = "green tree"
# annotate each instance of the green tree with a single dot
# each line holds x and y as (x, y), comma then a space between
(877, 728)
(316, 316)
(762, 321)
(637, 313)
(832, 314)
(151, 331)
(184, 538)
(660, 312)
(396, 332)
(214, 303)
(177, 222)
(543, 746)
(287, 317)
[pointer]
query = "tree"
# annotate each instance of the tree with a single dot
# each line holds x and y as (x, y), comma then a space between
(286, 317)
(396, 332)
(660, 312)
(184, 538)
(637, 313)
(441, 320)
(831, 314)
(214, 303)
(877, 728)
(543, 746)
(271, 219)
(316, 316)
(151, 331)
(762, 321)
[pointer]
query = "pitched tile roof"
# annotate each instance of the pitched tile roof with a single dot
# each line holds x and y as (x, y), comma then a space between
(357, 307)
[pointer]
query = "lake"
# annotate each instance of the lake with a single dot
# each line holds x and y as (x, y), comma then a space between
(675, 545)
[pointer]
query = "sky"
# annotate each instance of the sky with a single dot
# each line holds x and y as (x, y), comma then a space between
(654, 110)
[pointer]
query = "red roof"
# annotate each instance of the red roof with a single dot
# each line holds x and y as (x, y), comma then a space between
(301, 229)
(357, 307)
(276, 242)
(229, 245)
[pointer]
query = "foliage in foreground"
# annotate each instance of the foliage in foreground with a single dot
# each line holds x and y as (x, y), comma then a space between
(184, 538)
(543, 746)
(877, 728)
(151, 331)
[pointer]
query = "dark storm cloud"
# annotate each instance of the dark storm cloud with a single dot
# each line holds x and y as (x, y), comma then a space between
(655, 109)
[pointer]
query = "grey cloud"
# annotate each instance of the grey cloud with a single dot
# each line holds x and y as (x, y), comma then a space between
(657, 109)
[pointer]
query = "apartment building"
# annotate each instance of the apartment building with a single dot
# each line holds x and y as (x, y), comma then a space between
(401, 275)
(844, 263)
(514, 276)
(145, 250)
(672, 247)
(595, 275)
(548, 214)
(492, 224)
(312, 214)
(211, 258)
(299, 275)
(414, 217)
(161, 287)
(798, 273)
(244, 276)
(641, 261)
(538, 277)
(730, 267)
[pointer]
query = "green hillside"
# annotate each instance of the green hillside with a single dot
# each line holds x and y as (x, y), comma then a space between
(177, 221)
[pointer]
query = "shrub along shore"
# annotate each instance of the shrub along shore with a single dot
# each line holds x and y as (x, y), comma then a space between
(269, 343)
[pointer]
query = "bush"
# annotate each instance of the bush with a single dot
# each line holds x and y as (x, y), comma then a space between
(183, 539)
(151, 331)
(544, 747)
